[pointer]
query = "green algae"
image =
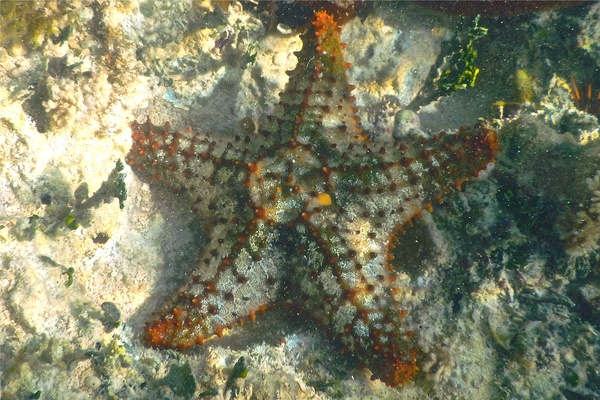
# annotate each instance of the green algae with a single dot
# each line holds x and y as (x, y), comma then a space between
(459, 71)
(66, 213)
(239, 371)
(181, 380)
(26, 25)
(523, 86)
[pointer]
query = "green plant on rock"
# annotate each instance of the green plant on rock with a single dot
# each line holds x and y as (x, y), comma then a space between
(112, 188)
(240, 371)
(109, 357)
(458, 69)
(455, 67)
(26, 25)
(181, 380)
(67, 271)
(65, 213)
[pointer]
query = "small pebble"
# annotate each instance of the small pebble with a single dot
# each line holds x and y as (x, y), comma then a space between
(111, 316)
(284, 29)
(92, 382)
(17, 48)
(406, 122)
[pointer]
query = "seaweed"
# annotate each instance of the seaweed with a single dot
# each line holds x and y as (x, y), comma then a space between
(67, 271)
(240, 371)
(455, 68)
(181, 380)
(27, 25)
(459, 70)
(64, 211)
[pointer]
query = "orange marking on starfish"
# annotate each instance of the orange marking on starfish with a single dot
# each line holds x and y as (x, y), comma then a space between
(219, 331)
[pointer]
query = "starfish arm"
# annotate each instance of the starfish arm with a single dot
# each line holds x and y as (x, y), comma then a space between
(223, 290)
(348, 287)
(232, 280)
(215, 182)
(183, 157)
(319, 112)
(369, 204)
(417, 171)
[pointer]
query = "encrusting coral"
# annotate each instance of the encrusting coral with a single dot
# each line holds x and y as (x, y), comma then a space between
(559, 170)
(306, 213)
(26, 25)
(581, 229)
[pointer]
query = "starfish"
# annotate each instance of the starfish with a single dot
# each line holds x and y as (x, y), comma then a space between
(305, 213)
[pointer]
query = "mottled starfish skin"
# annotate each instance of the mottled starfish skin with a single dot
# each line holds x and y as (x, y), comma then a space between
(305, 212)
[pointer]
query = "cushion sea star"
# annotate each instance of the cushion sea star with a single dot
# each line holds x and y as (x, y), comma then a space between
(305, 212)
